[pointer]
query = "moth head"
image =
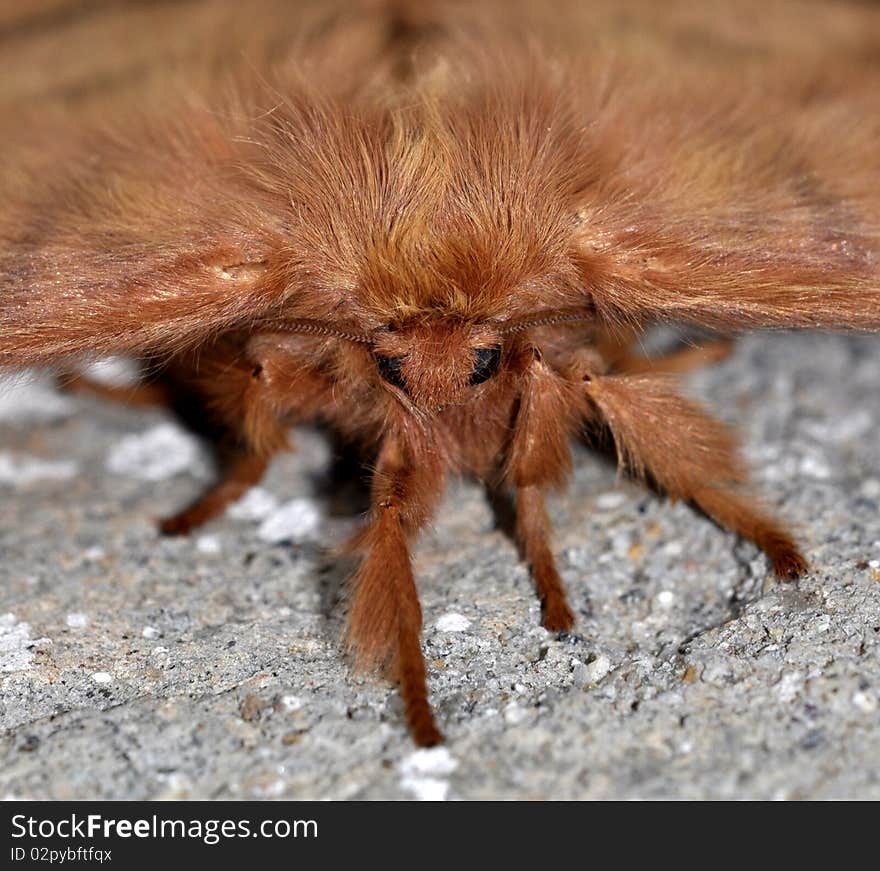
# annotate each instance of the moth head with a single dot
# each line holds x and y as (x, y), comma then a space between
(433, 362)
(437, 363)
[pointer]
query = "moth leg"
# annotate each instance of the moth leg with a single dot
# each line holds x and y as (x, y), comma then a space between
(242, 472)
(735, 513)
(539, 457)
(244, 401)
(385, 617)
(676, 362)
(533, 534)
(665, 438)
(617, 347)
(139, 395)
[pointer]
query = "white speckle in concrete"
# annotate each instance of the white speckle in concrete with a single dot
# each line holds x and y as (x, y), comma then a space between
(840, 429)
(597, 669)
(162, 452)
(665, 599)
(179, 787)
(77, 620)
(515, 714)
(296, 521)
(452, 622)
(115, 371)
(865, 702)
(102, 677)
(256, 504)
(789, 686)
(815, 466)
(436, 761)
(18, 470)
(423, 773)
(94, 554)
(27, 397)
(426, 788)
(610, 501)
(15, 641)
(209, 544)
(149, 632)
(291, 703)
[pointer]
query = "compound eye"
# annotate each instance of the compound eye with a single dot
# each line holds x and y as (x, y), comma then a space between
(486, 362)
(389, 369)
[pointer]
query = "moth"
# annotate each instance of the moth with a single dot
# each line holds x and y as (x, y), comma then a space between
(442, 229)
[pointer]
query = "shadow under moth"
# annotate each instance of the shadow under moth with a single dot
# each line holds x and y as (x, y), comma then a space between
(440, 229)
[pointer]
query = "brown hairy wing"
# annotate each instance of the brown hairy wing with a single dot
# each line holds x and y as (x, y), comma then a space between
(129, 222)
(80, 54)
(740, 171)
(124, 242)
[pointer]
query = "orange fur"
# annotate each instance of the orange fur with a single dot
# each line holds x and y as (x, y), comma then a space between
(439, 227)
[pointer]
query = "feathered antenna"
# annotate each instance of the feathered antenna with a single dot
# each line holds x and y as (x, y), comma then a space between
(316, 328)
(548, 318)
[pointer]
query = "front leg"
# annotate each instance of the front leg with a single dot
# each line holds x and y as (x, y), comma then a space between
(533, 535)
(243, 471)
(245, 397)
(385, 617)
(662, 437)
(539, 457)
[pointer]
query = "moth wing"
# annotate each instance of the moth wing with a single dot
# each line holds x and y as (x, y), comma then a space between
(144, 240)
(129, 222)
(736, 189)
(73, 56)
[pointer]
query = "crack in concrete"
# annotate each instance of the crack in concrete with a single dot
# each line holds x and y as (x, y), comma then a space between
(67, 714)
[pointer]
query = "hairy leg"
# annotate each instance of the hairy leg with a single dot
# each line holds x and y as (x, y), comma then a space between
(243, 397)
(187, 382)
(538, 458)
(533, 533)
(618, 348)
(385, 617)
(664, 437)
(141, 395)
(676, 362)
(243, 472)
(742, 516)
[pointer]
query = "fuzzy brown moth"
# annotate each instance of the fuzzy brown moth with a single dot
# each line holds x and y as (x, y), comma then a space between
(441, 229)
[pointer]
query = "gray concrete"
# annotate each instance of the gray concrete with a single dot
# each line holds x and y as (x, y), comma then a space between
(137, 667)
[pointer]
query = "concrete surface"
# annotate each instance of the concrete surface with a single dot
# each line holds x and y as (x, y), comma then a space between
(138, 667)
